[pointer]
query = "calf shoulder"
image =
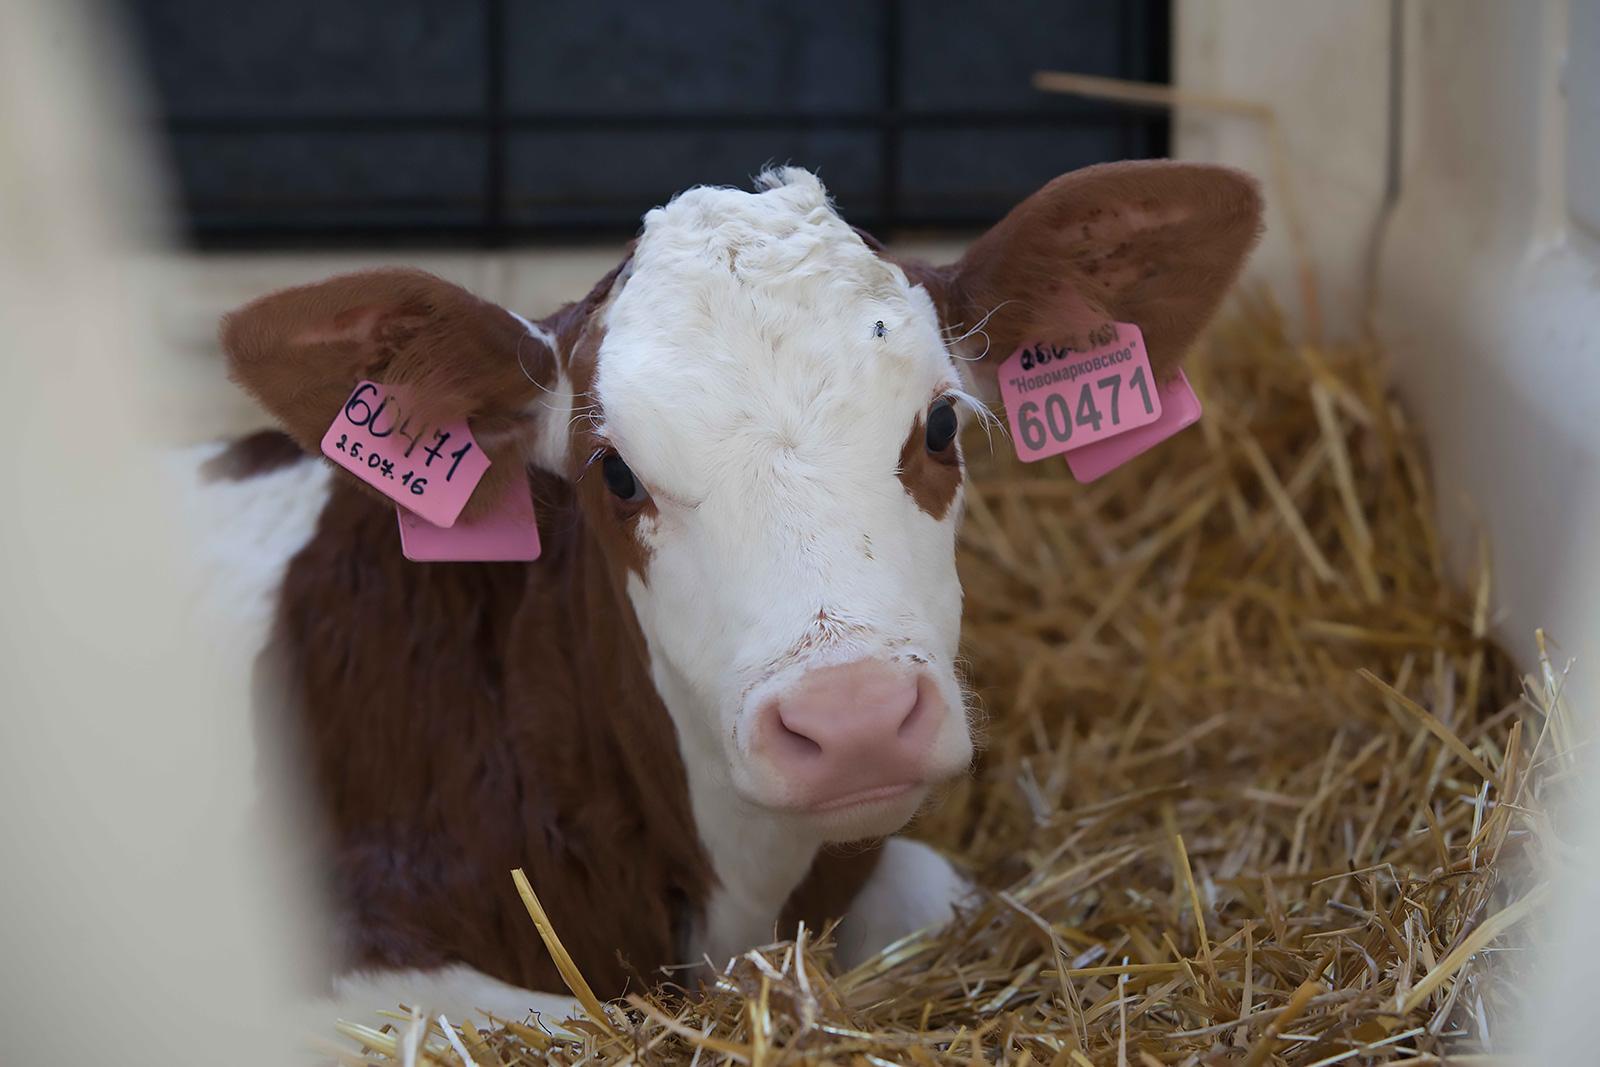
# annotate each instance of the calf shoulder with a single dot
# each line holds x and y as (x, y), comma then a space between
(456, 721)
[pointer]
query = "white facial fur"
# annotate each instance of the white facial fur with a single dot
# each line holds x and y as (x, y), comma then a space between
(744, 379)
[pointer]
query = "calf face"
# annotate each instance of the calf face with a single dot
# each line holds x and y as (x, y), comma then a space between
(759, 412)
(774, 411)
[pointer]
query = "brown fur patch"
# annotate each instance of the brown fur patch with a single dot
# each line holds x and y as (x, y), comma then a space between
(259, 453)
(1155, 242)
(461, 720)
(457, 721)
(931, 479)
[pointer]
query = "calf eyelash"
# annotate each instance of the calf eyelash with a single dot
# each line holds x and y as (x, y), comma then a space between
(981, 411)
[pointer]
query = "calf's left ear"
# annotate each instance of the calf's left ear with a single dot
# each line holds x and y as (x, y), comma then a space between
(1156, 243)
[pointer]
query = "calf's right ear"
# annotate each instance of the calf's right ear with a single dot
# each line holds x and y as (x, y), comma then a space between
(302, 351)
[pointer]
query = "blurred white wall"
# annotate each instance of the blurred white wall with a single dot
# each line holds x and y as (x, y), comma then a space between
(146, 906)
(1457, 195)
(1490, 301)
(1477, 228)
(1324, 68)
(1491, 305)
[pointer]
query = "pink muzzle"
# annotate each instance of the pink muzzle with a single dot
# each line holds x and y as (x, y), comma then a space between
(851, 734)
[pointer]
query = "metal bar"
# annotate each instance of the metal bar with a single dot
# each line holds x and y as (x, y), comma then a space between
(1128, 20)
(607, 228)
(1144, 48)
(494, 106)
(890, 118)
(246, 125)
(1157, 31)
(1146, 30)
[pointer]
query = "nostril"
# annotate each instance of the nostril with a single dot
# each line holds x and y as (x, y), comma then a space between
(791, 742)
(920, 702)
(799, 744)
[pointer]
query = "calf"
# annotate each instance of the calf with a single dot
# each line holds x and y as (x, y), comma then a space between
(739, 646)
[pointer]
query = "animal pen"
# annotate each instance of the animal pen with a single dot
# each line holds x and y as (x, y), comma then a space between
(1284, 726)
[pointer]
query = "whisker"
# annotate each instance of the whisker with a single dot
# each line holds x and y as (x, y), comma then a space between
(544, 338)
(590, 411)
(977, 328)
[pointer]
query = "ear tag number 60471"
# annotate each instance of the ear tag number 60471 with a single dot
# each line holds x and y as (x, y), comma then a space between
(1058, 422)
(1061, 399)
(430, 470)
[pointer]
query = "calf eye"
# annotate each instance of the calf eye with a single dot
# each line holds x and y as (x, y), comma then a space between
(620, 480)
(942, 424)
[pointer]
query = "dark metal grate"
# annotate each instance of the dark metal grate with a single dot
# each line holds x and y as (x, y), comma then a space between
(463, 176)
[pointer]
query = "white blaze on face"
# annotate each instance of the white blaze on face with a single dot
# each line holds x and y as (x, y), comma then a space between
(744, 380)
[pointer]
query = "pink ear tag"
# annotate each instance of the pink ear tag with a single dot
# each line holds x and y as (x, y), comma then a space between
(1180, 409)
(509, 532)
(1100, 406)
(430, 473)
(429, 470)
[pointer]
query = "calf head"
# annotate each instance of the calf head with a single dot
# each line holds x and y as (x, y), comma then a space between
(759, 413)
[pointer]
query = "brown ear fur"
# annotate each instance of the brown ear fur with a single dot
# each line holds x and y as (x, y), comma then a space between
(301, 351)
(1156, 243)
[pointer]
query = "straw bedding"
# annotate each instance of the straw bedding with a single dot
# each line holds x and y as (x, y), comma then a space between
(1257, 788)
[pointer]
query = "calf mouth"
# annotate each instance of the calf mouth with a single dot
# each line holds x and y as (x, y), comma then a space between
(867, 818)
(875, 795)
